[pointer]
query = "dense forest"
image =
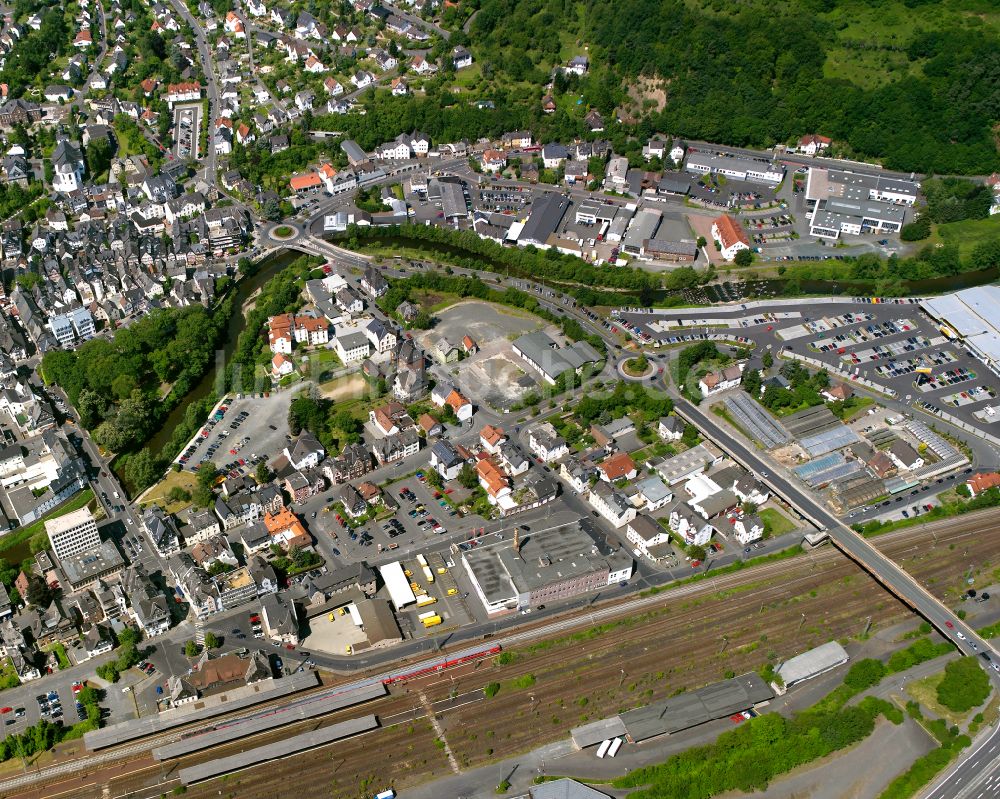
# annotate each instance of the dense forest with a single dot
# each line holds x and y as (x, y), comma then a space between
(915, 84)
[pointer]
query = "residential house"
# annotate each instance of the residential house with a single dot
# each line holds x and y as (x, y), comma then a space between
(646, 533)
(279, 620)
(396, 447)
(671, 428)
(813, 144)
(546, 443)
(445, 460)
(201, 525)
(652, 494)
(619, 466)
(350, 464)
(904, 456)
(354, 504)
(306, 453)
(611, 504)
(723, 380)
(748, 528)
(492, 438)
(461, 58)
(692, 529)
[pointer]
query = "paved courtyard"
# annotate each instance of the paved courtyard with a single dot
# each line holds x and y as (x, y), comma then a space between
(333, 637)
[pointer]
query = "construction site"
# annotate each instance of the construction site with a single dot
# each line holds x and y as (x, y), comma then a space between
(544, 681)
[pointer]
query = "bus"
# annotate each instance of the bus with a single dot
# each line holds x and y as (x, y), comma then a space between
(602, 750)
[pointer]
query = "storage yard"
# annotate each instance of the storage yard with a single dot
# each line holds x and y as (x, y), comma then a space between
(559, 684)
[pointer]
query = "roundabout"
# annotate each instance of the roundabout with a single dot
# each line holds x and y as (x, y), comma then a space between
(283, 233)
(636, 368)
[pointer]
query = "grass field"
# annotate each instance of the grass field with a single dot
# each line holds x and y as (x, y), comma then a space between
(158, 493)
(775, 522)
(967, 235)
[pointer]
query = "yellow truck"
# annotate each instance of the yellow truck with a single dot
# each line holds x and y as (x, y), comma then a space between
(431, 621)
(423, 600)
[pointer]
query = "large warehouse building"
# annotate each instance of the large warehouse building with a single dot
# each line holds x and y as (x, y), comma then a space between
(543, 567)
(972, 315)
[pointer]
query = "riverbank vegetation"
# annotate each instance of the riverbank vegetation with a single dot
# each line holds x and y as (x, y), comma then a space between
(124, 386)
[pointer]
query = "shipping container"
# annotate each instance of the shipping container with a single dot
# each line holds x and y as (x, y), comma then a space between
(615, 746)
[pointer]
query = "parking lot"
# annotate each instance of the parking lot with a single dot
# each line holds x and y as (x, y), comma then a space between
(438, 594)
(187, 129)
(56, 701)
(255, 426)
(409, 528)
(893, 344)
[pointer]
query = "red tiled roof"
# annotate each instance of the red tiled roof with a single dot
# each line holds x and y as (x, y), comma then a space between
(730, 231)
(617, 466)
(983, 482)
(308, 181)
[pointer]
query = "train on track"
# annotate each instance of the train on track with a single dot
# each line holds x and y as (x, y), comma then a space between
(457, 660)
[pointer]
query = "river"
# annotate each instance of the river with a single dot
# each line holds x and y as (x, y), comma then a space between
(212, 381)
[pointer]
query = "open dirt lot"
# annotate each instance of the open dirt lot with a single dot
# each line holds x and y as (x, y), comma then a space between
(494, 375)
(551, 685)
(482, 321)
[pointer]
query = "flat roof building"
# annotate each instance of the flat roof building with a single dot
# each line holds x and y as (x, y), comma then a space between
(848, 202)
(84, 569)
(397, 584)
(73, 533)
(972, 315)
(545, 566)
(688, 463)
(751, 170)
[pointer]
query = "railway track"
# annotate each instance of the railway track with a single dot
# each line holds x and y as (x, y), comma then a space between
(975, 527)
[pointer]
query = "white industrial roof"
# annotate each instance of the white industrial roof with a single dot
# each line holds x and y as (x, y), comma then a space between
(812, 663)
(970, 311)
(399, 587)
